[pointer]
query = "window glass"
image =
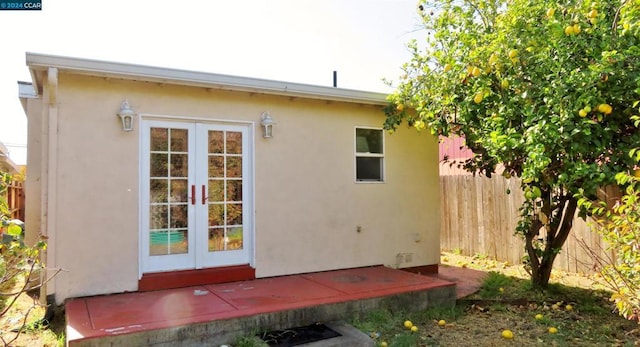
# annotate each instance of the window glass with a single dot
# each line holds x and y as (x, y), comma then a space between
(369, 141)
(369, 155)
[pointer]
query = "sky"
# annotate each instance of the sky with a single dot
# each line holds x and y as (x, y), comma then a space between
(287, 40)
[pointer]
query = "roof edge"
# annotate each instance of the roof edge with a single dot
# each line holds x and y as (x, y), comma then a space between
(39, 62)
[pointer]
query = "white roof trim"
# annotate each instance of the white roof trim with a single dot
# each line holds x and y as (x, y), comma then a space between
(40, 62)
(26, 90)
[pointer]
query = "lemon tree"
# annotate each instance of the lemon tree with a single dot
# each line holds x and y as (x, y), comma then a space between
(541, 88)
(620, 228)
(4, 209)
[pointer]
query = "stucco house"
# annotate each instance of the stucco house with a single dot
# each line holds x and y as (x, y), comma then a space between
(144, 178)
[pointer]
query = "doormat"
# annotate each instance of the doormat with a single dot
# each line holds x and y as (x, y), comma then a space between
(298, 336)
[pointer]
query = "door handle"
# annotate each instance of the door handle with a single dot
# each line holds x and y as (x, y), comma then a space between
(204, 197)
(193, 194)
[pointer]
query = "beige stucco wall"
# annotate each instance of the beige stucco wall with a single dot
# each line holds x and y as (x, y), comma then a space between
(307, 203)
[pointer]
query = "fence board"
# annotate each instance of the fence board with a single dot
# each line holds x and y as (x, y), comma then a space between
(479, 217)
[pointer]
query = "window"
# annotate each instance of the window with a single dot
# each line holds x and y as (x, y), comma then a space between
(369, 155)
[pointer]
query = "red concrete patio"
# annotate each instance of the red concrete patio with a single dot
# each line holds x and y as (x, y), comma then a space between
(214, 313)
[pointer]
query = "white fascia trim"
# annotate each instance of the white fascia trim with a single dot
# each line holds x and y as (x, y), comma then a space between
(100, 68)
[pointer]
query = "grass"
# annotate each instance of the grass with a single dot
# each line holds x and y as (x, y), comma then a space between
(582, 315)
(33, 333)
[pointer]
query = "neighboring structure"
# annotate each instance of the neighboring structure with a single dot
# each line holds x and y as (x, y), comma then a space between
(14, 194)
(197, 193)
(453, 153)
(6, 164)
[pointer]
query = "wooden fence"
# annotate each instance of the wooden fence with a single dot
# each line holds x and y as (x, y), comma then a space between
(15, 200)
(479, 217)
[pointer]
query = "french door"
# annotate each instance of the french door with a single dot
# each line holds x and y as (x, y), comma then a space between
(196, 190)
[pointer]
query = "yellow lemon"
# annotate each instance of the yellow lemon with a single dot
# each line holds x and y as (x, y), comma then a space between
(383, 344)
(539, 316)
(504, 84)
(478, 98)
(513, 53)
(636, 173)
(568, 30)
(551, 12)
(568, 307)
(476, 71)
(447, 67)
(605, 108)
(593, 13)
(442, 322)
(582, 113)
(501, 290)
(553, 330)
(602, 108)
(576, 29)
(507, 334)
(493, 59)
(400, 107)
(408, 324)
(414, 329)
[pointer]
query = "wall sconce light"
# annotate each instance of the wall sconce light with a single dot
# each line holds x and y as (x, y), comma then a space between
(267, 125)
(126, 115)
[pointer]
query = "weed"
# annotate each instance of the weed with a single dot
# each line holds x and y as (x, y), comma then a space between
(480, 256)
(249, 341)
(492, 284)
(437, 313)
(457, 251)
(404, 340)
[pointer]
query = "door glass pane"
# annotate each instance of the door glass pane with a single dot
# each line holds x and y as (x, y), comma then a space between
(179, 164)
(234, 214)
(216, 166)
(158, 190)
(159, 139)
(158, 244)
(179, 216)
(216, 214)
(234, 166)
(216, 239)
(234, 190)
(179, 191)
(159, 217)
(234, 142)
(179, 140)
(216, 190)
(216, 142)
(159, 165)
(234, 238)
(178, 243)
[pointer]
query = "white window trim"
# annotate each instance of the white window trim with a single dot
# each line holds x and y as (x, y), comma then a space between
(368, 155)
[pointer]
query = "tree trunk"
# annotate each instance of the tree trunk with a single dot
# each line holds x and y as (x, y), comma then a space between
(558, 228)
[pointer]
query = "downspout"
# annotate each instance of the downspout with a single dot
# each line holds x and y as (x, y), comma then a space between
(49, 171)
